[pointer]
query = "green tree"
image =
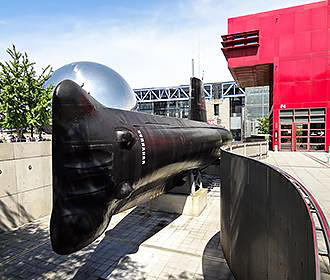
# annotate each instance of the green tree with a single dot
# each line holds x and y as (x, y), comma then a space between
(263, 125)
(24, 102)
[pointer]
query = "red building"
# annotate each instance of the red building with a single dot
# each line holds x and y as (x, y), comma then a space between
(289, 50)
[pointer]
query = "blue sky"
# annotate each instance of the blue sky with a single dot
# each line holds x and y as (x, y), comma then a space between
(150, 43)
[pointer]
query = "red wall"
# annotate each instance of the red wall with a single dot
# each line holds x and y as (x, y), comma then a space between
(297, 41)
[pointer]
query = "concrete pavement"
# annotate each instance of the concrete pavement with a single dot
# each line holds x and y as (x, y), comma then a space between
(138, 244)
(311, 169)
(145, 244)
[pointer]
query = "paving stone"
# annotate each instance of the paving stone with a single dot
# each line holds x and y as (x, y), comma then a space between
(138, 244)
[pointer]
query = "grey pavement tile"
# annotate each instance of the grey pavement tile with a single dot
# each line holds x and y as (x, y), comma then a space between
(138, 244)
(312, 174)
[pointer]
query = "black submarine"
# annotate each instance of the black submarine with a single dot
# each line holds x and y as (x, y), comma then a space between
(107, 160)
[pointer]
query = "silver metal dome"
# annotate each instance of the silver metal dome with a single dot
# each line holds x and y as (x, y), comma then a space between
(103, 83)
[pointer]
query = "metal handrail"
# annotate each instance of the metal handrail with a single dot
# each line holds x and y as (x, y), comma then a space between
(233, 147)
(313, 207)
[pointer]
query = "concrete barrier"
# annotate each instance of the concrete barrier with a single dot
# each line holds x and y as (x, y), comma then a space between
(189, 205)
(267, 229)
(26, 178)
(25, 183)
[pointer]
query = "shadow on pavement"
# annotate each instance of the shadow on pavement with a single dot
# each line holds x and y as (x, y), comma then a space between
(26, 253)
(214, 262)
(111, 256)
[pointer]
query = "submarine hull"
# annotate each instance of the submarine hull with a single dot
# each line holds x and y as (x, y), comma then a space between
(107, 160)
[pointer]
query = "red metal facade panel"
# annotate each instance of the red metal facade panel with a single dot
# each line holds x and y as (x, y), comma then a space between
(296, 42)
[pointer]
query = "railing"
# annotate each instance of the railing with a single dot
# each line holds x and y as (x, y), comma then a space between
(269, 220)
(321, 224)
(211, 90)
(256, 150)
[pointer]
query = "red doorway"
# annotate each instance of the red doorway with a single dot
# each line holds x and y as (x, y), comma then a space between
(302, 130)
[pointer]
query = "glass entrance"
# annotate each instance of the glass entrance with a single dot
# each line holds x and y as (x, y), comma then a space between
(301, 136)
(302, 130)
(286, 137)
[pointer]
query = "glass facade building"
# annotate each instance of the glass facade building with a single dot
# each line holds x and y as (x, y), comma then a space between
(174, 101)
(256, 107)
(176, 108)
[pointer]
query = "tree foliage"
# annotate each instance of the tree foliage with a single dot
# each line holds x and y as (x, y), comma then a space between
(263, 125)
(24, 102)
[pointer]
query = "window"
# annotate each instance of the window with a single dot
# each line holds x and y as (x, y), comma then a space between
(301, 119)
(302, 112)
(317, 119)
(286, 113)
(216, 109)
(317, 125)
(318, 111)
(286, 120)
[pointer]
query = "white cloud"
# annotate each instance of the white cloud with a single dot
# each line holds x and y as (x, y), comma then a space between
(153, 52)
(145, 56)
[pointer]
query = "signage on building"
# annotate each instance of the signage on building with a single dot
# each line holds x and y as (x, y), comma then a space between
(317, 133)
(212, 121)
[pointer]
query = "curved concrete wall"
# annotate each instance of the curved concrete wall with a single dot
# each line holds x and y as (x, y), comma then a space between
(266, 229)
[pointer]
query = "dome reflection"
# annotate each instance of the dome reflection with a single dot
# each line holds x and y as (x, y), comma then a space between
(103, 83)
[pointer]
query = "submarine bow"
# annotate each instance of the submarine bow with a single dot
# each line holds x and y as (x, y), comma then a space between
(107, 160)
